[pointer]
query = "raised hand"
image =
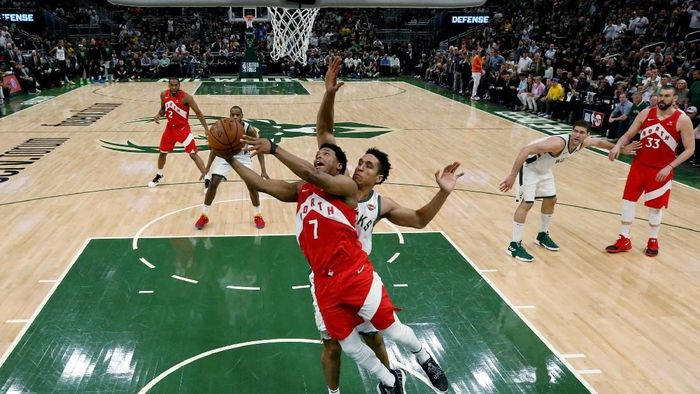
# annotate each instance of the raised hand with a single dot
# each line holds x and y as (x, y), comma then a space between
(257, 146)
(332, 84)
(447, 178)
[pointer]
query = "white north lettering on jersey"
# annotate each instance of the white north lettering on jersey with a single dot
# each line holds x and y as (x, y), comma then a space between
(171, 105)
(318, 204)
(545, 162)
(367, 214)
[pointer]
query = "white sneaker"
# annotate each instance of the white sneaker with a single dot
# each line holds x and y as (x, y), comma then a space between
(156, 180)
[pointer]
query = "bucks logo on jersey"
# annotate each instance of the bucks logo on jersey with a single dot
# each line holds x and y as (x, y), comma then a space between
(268, 129)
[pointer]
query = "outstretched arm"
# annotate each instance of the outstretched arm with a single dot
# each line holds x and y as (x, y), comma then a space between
(629, 135)
(339, 185)
(402, 216)
(324, 119)
(281, 190)
(629, 149)
(551, 144)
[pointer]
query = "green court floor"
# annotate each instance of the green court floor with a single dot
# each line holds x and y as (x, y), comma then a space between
(246, 326)
(251, 88)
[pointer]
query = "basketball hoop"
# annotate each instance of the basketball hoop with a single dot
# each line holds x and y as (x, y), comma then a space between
(292, 29)
(249, 21)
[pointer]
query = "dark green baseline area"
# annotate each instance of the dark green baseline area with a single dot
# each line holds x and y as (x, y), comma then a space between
(251, 88)
(97, 333)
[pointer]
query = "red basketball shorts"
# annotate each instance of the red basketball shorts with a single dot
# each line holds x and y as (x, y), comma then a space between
(347, 299)
(642, 180)
(182, 135)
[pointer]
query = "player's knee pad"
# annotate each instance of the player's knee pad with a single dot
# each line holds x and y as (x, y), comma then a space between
(627, 211)
(655, 216)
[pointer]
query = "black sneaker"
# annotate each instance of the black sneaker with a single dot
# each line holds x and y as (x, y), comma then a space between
(435, 374)
(206, 183)
(399, 386)
(156, 180)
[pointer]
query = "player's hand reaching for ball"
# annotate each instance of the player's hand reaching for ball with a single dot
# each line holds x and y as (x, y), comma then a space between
(257, 146)
(332, 84)
(507, 183)
(447, 178)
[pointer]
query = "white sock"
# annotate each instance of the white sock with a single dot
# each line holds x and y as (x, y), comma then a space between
(625, 230)
(654, 231)
(518, 231)
(160, 172)
(336, 391)
(257, 210)
(208, 177)
(205, 209)
(546, 219)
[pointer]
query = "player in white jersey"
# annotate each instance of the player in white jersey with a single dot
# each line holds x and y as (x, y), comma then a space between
(372, 169)
(533, 167)
(219, 169)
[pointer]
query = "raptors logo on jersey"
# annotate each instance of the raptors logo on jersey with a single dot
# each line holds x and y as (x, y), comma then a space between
(175, 110)
(325, 232)
(659, 139)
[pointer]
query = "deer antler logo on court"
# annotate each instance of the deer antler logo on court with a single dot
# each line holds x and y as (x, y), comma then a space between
(268, 129)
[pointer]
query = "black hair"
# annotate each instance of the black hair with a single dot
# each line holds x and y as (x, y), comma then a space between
(383, 158)
(173, 79)
(583, 123)
(235, 106)
(339, 155)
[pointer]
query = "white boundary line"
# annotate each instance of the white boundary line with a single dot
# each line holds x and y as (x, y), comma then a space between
(135, 240)
(144, 261)
(248, 288)
(17, 321)
(522, 317)
(301, 287)
(396, 229)
(400, 284)
(48, 280)
(524, 307)
(393, 258)
(146, 291)
(41, 306)
(190, 360)
(589, 371)
(574, 355)
(516, 123)
(182, 278)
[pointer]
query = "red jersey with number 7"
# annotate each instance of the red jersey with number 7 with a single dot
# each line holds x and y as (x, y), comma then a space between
(325, 228)
(176, 111)
(659, 139)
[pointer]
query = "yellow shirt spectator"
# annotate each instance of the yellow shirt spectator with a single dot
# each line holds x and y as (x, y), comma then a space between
(556, 92)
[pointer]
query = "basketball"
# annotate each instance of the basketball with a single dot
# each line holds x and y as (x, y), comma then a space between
(225, 137)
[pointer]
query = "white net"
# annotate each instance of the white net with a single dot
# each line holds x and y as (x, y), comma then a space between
(291, 28)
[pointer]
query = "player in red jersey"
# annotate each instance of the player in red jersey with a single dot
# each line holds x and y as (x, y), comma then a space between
(660, 129)
(347, 289)
(175, 104)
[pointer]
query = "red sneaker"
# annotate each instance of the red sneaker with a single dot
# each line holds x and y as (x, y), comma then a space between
(652, 249)
(201, 222)
(623, 244)
(259, 222)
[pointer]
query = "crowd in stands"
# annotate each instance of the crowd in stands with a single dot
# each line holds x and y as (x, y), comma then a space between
(548, 58)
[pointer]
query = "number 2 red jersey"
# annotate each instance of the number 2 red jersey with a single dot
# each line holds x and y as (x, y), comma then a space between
(659, 139)
(325, 228)
(176, 111)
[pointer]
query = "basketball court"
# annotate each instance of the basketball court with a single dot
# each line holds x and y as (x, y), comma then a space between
(108, 287)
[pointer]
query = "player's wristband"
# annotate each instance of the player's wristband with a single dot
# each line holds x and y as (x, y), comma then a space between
(273, 146)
